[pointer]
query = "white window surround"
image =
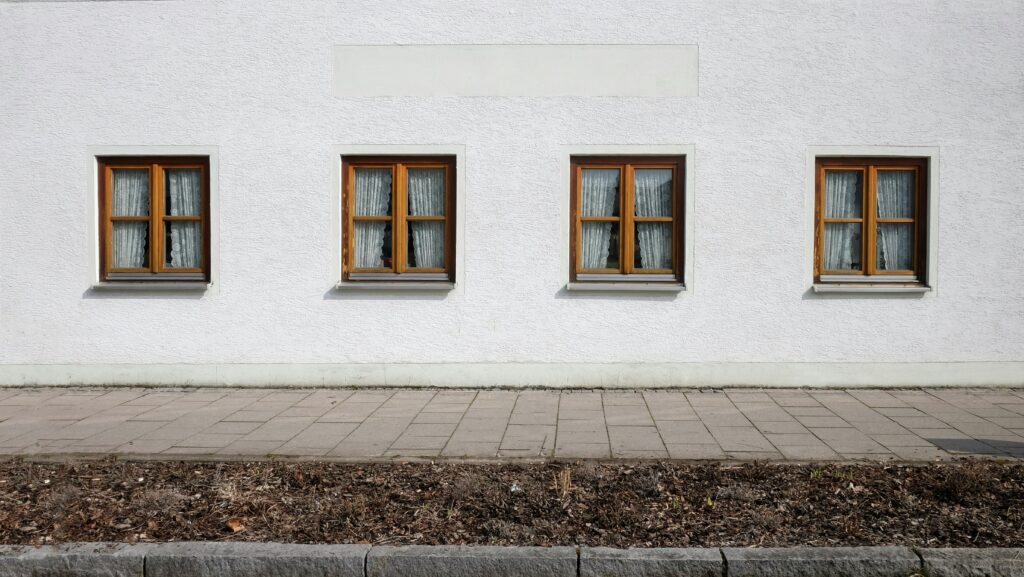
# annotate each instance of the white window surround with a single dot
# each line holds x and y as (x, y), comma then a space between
(337, 216)
(95, 281)
(929, 284)
(570, 150)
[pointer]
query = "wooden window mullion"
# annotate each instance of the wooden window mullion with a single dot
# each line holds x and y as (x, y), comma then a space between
(626, 233)
(870, 220)
(398, 220)
(156, 212)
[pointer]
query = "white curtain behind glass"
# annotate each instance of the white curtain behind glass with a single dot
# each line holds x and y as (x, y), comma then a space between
(842, 200)
(130, 198)
(372, 197)
(426, 198)
(895, 243)
(184, 197)
(652, 193)
(600, 197)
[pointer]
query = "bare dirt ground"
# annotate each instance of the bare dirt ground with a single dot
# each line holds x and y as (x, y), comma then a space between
(963, 504)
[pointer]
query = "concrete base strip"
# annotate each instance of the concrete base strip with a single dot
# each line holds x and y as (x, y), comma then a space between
(461, 561)
(78, 560)
(822, 561)
(607, 562)
(255, 560)
(992, 562)
(286, 560)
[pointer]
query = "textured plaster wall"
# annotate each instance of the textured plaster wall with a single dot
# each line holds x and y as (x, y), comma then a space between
(255, 80)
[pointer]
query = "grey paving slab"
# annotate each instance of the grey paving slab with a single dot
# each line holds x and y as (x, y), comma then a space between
(825, 424)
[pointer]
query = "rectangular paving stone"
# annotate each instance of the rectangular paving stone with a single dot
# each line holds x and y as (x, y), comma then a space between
(208, 440)
(635, 439)
(793, 439)
(694, 451)
(279, 429)
(430, 430)
(849, 440)
(733, 439)
(891, 441)
(470, 449)
(780, 428)
(815, 421)
(321, 436)
(819, 452)
(414, 442)
(685, 432)
(583, 450)
(428, 418)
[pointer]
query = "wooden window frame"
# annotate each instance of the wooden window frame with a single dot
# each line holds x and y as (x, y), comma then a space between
(869, 220)
(399, 271)
(627, 219)
(157, 270)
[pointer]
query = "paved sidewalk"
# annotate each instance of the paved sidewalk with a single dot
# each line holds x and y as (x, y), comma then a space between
(910, 425)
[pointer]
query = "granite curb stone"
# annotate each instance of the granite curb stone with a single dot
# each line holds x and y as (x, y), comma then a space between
(214, 559)
(990, 562)
(608, 562)
(205, 559)
(822, 562)
(467, 561)
(78, 560)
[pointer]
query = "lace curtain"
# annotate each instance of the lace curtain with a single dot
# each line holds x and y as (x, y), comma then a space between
(895, 243)
(184, 198)
(426, 198)
(372, 198)
(652, 193)
(843, 200)
(130, 198)
(600, 197)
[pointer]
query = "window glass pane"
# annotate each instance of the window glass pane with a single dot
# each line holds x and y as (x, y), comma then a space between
(372, 244)
(131, 244)
(843, 193)
(426, 244)
(599, 189)
(895, 246)
(652, 191)
(600, 245)
(895, 189)
(842, 246)
(426, 191)
(182, 192)
(372, 191)
(653, 248)
(131, 192)
(183, 244)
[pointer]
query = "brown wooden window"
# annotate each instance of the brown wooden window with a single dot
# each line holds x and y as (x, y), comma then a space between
(399, 218)
(870, 223)
(626, 219)
(154, 219)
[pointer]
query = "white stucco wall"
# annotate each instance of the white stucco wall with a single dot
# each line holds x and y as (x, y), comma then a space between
(255, 82)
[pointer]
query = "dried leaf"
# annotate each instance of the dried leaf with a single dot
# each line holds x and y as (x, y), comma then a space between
(236, 525)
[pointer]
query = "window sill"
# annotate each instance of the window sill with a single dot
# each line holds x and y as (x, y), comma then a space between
(625, 287)
(151, 286)
(394, 286)
(870, 288)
